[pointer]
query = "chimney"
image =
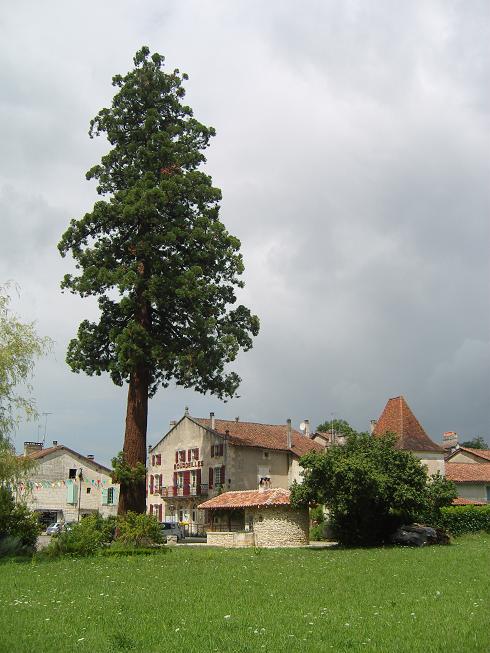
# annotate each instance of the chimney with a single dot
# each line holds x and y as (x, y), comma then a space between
(149, 448)
(172, 423)
(32, 447)
(307, 428)
(91, 456)
(186, 411)
(55, 443)
(450, 440)
(289, 434)
(211, 417)
(372, 426)
(237, 419)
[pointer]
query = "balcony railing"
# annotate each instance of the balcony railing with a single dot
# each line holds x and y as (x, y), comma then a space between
(186, 490)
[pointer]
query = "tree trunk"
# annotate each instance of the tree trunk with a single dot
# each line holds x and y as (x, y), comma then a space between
(133, 496)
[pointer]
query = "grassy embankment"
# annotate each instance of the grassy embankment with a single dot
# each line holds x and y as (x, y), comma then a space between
(434, 599)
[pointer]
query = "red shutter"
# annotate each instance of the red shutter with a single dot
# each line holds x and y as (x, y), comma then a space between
(151, 509)
(189, 455)
(174, 491)
(223, 479)
(212, 451)
(152, 484)
(176, 456)
(187, 482)
(210, 478)
(159, 458)
(160, 512)
(153, 460)
(221, 449)
(198, 481)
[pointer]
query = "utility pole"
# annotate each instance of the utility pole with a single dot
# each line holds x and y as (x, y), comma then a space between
(80, 479)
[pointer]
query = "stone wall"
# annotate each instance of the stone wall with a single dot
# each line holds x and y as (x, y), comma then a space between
(230, 539)
(279, 526)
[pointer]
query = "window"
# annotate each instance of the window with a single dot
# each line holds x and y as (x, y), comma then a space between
(193, 478)
(266, 454)
(157, 483)
(153, 460)
(218, 476)
(110, 496)
(88, 490)
(180, 479)
(216, 450)
(72, 473)
(195, 454)
(158, 459)
(182, 456)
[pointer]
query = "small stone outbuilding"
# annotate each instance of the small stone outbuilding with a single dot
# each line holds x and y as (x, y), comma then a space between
(262, 518)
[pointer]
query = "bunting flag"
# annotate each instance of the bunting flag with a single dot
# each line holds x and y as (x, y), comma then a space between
(38, 485)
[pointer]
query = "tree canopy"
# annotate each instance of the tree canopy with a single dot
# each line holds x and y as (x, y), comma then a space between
(369, 487)
(337, 426)
(156, 255)
(475, 443)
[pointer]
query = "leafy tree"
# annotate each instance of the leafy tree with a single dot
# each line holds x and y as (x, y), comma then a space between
(20, 346)
(368, 485)
(19, 527)
(156, 255)
(476, 443)
(338, 426)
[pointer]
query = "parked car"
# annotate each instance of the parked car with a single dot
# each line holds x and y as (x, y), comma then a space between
(55, 528)
(172, 528)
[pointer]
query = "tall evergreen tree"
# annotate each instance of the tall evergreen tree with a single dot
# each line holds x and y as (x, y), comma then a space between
(156, 255)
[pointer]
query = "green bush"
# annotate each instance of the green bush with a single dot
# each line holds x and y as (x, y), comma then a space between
(317, 532)
(93, 534)
(19, 527)
(459, 520)
(84, 538)
(138, 530)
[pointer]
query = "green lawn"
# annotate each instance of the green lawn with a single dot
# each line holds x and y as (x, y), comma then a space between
(200, 599)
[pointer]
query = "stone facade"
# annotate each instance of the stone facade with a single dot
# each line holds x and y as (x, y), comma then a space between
(54, 489)
(236, 539)
(278, 526)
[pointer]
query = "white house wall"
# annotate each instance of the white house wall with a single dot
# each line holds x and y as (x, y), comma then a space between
(50, 482)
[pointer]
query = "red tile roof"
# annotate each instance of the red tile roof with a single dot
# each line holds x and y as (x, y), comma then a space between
(265, 436)
(41, 453)
(248, 499)
(461, 501)
(468, 472)
(481, 453)
(398, 418)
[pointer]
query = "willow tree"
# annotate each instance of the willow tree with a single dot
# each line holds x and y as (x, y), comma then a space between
(156, 255)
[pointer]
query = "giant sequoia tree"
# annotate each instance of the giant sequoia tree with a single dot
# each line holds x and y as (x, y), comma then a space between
(156, 255)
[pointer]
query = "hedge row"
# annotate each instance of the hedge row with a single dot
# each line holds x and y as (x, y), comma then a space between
(459, 520)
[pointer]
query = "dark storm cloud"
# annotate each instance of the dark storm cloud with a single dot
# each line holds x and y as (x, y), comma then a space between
(352, 151)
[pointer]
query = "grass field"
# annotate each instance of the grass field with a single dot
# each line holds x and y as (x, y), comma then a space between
(199, 599)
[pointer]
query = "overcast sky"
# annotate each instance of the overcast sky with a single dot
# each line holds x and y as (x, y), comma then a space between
(353, 152)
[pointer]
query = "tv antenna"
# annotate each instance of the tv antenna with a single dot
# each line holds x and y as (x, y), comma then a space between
(45, 426)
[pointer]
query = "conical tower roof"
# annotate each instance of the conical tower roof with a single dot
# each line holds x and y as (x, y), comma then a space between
(398, 418)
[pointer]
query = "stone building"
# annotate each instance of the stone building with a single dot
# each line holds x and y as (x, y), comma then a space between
(261, 517)
(65, 484)
(200, 458)
(469, 469)
(398, 418)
